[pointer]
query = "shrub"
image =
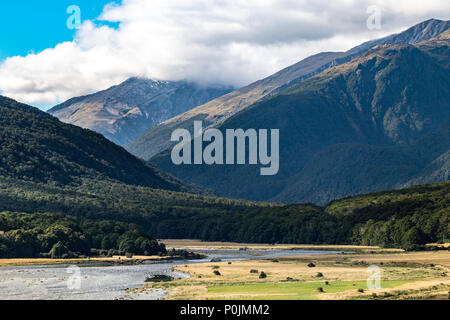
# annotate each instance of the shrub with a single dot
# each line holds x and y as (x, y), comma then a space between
(262, 275)
(361, 290)
(217, 273)
(159, 278)
(320, 289)
(311, 265)
(319, 275)
(253, 271)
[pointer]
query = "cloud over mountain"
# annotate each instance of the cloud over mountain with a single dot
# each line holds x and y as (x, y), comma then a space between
(224, 42)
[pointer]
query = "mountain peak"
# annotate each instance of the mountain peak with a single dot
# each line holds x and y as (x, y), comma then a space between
(422, 31)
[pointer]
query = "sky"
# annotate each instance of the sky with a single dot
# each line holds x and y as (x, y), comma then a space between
(35, 25)
(44, 60)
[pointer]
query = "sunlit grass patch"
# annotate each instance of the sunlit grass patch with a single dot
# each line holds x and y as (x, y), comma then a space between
(289, 291)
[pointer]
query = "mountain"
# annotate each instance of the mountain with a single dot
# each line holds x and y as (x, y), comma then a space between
(122, 112)
(36, 147)
(378, 122)
(66, 191)
(215, 112)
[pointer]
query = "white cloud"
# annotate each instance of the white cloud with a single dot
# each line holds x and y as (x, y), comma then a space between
(210, 41)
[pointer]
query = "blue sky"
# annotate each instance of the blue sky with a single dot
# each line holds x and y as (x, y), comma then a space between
(34, 25)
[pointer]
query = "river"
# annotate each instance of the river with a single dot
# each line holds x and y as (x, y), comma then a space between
(100, 282)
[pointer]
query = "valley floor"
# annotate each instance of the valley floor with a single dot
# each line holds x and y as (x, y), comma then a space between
(403, 275)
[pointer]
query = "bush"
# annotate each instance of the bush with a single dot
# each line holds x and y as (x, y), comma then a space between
(319, 275)
(320, 289)
(361, 290)
(159, 278)
(253, 271)
(217, 273)
(263, 275)
(311, 265)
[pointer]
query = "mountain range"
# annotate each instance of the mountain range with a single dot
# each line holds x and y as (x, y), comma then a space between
(215, 112)
(123, 112)
(376, 122)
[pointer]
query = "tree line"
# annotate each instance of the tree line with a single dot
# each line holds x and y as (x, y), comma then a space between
(35, 235)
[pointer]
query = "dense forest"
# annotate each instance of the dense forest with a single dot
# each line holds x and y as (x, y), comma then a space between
(35, 146)
(406, 218)
(58, 236)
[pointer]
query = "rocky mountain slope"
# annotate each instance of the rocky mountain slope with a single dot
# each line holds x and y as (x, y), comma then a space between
(124, 111)
(374, 123)
(215, 112)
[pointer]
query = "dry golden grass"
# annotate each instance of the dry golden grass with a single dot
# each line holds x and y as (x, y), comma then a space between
(417, 289)
(296, 269)
(114, 259)
(426, 257)
(422, 269)
(189, 243)
(442, 245)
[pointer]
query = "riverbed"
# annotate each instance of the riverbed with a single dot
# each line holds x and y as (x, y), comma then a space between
(101, 282)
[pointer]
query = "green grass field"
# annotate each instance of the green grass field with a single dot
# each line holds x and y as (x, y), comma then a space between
(291, 291)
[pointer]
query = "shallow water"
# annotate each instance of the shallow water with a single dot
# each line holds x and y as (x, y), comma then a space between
(63, 282)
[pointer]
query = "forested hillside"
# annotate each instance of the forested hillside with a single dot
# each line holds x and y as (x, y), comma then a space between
(34, 146)
(215, 112)
(378, 122)
(406, 218)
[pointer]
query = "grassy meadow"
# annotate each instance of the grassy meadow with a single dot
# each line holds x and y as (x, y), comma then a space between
(404, 275)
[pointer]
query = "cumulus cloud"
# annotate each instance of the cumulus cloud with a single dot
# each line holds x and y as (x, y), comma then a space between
(230, 42)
